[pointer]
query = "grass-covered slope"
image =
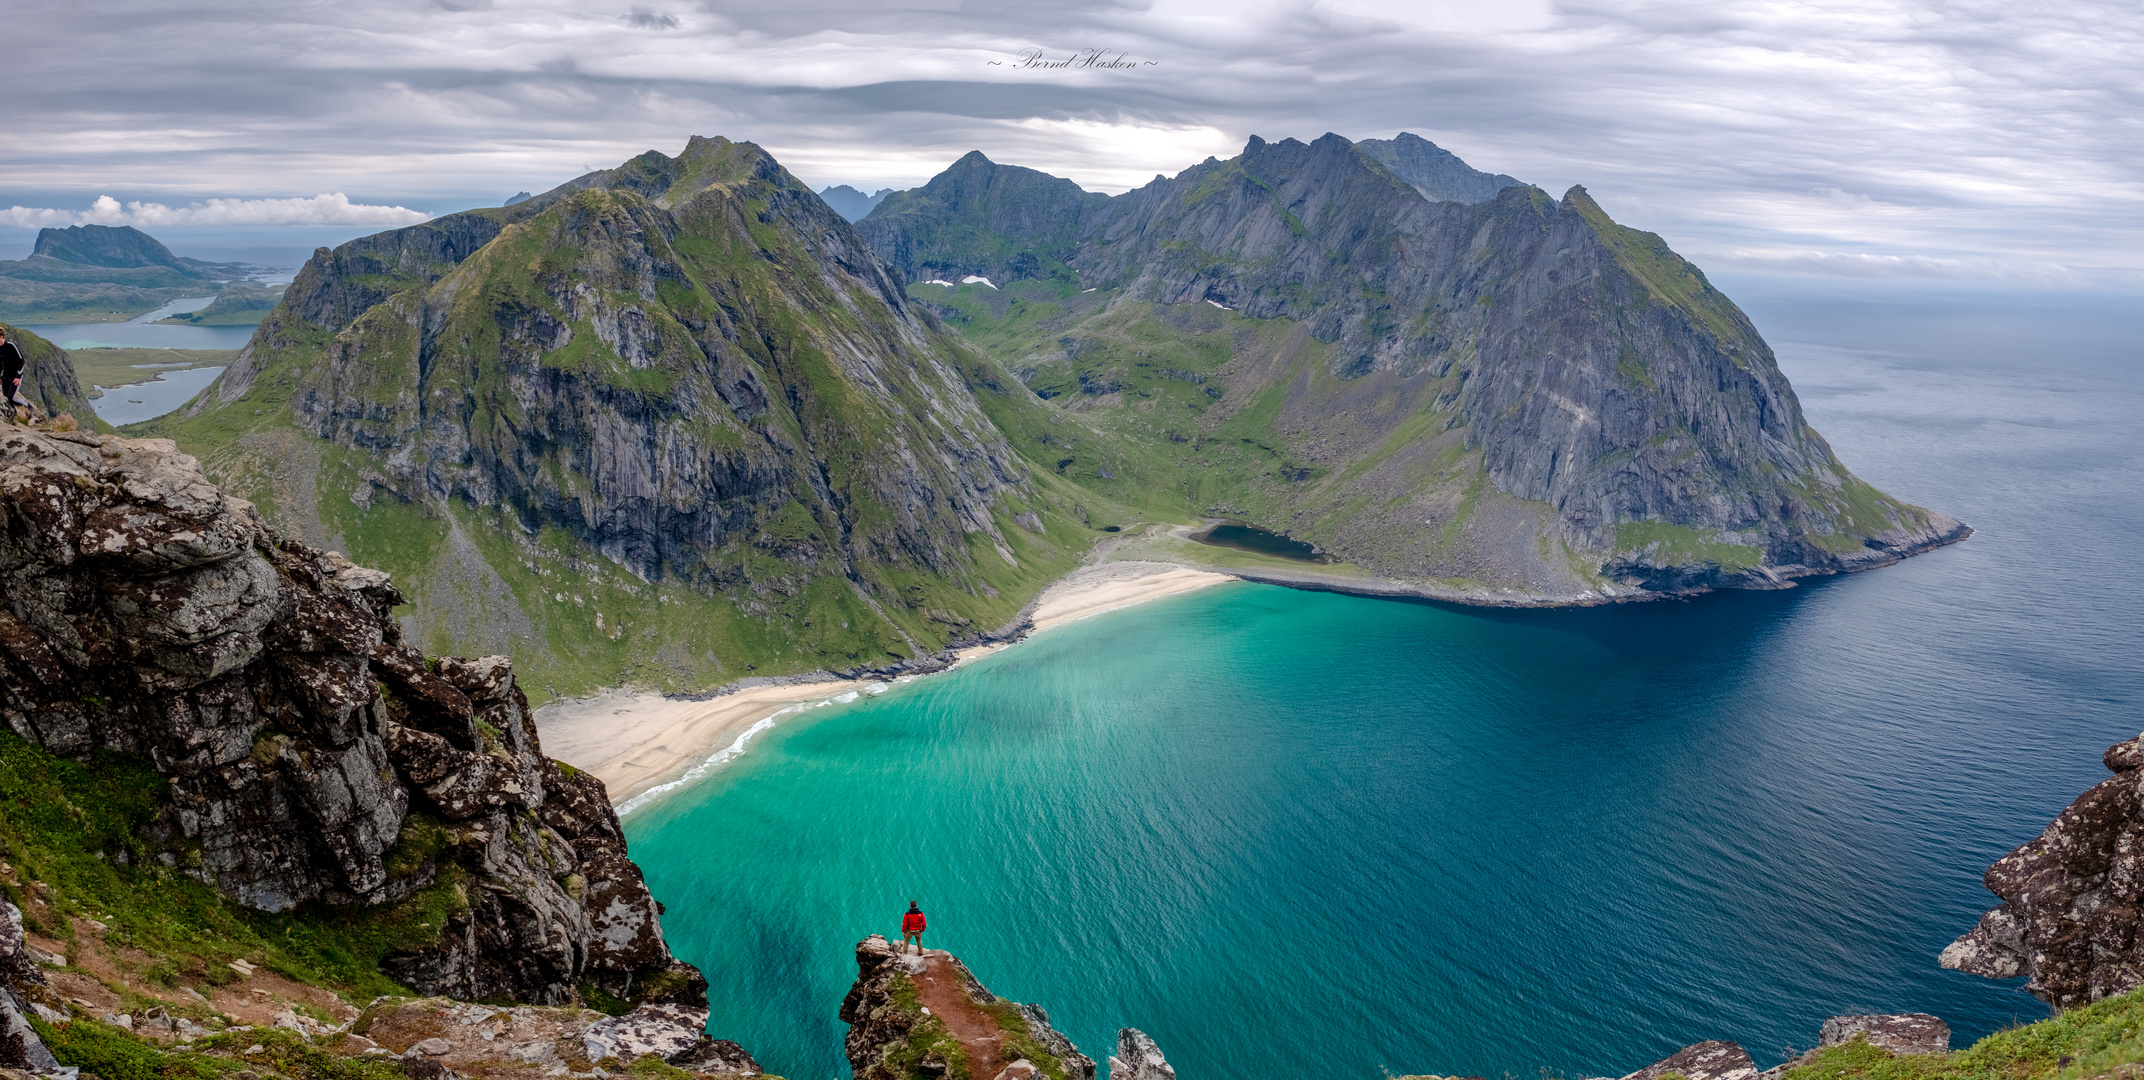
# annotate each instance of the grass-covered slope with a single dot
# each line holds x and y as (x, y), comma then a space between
(1517, 400)
(670, 424)
(48, 377)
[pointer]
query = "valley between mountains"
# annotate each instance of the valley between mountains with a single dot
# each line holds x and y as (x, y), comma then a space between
(680, 423)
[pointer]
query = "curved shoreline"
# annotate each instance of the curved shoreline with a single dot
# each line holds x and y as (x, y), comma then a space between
(644, 744)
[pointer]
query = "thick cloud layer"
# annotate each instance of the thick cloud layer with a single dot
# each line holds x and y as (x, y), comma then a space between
(1894, 137)
(335, 209)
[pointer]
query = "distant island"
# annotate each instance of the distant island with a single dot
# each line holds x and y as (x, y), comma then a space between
(105, 273)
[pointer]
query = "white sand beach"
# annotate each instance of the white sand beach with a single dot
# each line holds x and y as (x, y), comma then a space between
(634, 741)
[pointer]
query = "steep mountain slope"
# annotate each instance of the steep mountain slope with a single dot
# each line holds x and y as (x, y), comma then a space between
(678, 401)
(979, 217)
(1434, 171)
(48, 377)
(1518, 400)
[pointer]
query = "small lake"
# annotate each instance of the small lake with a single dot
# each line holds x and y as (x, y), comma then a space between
(1235, 534)
(137, 402)
(145, 332)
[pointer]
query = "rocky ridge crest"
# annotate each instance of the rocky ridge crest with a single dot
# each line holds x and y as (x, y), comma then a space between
(311, 755)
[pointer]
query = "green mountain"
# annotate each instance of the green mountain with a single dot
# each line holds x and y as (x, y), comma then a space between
(679, 423)
(1516, 400)
(670, 423)
(94, 273)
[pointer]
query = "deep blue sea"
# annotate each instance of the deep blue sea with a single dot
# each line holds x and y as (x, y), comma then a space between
(1293, 834)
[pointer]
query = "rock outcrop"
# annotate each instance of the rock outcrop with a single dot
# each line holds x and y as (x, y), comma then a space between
(48, 377)
(22, 981)
(1900, 1033)
(1715, 1060)
(1137, 1058)
(912, 1014)
(2072, 899)
(478, 1040)
(311, 755)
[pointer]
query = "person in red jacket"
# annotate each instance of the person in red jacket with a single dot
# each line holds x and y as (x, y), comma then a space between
(912, 927)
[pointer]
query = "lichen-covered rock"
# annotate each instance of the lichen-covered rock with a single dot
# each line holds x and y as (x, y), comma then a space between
(1900, 1033)
(1715, 1060)
(911, 1014)
(482, 1040)
(311, 755)
(2072, 899)
(1137, 1058)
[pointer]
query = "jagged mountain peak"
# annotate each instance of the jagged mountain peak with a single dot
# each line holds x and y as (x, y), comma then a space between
(1434, 171)
(667, 181)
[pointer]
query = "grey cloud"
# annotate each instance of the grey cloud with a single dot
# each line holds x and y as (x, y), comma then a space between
(1965, 136)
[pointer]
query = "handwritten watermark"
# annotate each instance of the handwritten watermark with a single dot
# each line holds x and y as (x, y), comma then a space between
(1083, 60)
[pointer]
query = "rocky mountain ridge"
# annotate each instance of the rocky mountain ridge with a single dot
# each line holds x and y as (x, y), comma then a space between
(685, 381)
(308, 755)
(1517, 395)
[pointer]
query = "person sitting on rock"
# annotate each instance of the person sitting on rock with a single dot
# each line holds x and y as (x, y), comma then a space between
(912, 927)
(11, 379)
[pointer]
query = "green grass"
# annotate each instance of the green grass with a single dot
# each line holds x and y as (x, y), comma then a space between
(78, 828)
(927, 1036)
(124, 367)
(1680, 545)
(2090, 1041)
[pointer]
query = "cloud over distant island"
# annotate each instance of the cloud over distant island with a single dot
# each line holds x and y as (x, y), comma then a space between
(1877, 133)
(327, 209)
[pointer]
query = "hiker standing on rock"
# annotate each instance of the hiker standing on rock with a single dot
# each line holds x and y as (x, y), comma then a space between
(11, 378)
(912, 927)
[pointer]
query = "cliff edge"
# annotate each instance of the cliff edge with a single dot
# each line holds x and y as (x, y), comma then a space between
(253, 702)
(2072, 899)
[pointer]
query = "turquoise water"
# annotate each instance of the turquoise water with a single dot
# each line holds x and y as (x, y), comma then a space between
(1295, 834)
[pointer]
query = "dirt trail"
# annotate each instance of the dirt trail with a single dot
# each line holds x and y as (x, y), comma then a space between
(942, 989)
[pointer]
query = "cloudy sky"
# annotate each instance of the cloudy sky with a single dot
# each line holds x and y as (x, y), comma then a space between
(1973, 139)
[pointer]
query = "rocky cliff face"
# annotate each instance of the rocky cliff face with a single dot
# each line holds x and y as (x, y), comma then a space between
(1434, 171)
(311, 755)
(1636, 422)
(48, 377)
(2072, 899)
(686, 378)
(978, 217)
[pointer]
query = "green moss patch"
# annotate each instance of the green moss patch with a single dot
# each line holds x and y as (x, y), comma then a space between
(1680, 545)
